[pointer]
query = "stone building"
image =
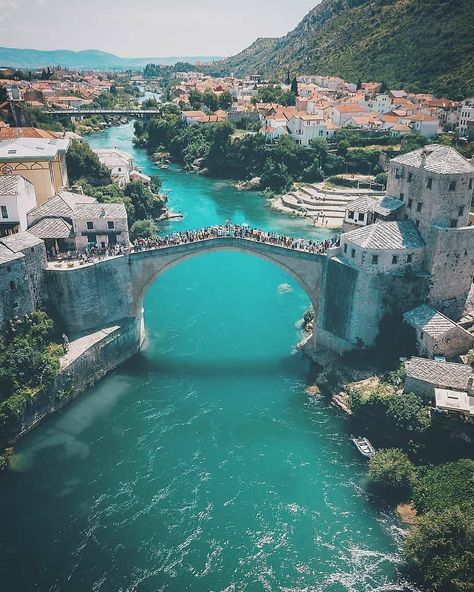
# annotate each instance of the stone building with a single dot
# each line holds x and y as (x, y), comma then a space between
(39, 160)
(425, 256)
(436, 184)
(366, 210)
(424, 376)
(74, 222)
(22, 282)
(436, 334)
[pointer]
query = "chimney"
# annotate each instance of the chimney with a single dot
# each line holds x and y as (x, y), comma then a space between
(424, 155)
(470, 386)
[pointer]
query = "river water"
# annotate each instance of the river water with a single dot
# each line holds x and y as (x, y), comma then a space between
(201, 464)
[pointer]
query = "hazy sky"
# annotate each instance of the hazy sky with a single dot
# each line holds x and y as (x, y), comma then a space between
(147, 28)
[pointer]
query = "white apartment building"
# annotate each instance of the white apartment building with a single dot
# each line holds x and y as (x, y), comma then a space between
(119, 163)
(466, 115)
(17, 197)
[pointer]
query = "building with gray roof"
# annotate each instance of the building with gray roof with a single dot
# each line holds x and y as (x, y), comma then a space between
(437, 335)
(366, 210)
(423, 376)
(74, 222)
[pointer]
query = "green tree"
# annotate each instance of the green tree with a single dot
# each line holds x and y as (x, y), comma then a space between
(225, 101)
(442, 486)
(143, 229)
(409, 413)
(3, 94)
(294, 87)
(440, 549)
(195, 99)
(145, 203)
(210, 100)
(392, 469)
(274, 176)
(83, 163)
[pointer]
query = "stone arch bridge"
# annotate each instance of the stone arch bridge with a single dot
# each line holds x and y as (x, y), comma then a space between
(111, 291)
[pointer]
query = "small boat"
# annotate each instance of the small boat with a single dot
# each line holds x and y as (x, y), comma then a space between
(165, 166)
(363, 446)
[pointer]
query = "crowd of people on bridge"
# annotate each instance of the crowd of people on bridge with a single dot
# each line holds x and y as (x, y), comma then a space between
(238, 231)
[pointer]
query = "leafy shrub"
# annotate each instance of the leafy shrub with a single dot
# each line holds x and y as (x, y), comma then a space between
(439, 487)
(409, 413)
(440, 549)
(392, 469)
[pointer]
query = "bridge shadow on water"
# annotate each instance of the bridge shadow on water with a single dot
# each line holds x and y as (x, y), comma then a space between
(295, 364)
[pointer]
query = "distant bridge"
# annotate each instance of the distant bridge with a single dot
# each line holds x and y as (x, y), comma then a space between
(110, 112)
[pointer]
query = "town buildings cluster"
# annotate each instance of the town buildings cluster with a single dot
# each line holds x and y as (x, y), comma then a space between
(325, 105)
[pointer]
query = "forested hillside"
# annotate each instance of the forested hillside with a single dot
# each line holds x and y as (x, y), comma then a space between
(421, 45)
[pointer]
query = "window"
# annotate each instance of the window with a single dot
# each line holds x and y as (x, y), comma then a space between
(9, 268)
(4, 212)
(92, 238)
(120, 169)
(402, 196)
(361, 217)
(12, 285)
(410, 202)
(394, 259)
(110, 225)
(410, 177)
(461, 211)
(32, 249)
(90, 225)
(429, 183)
(409, 258)
(417, 223)
(375, 259)
(15, 305)
(470, 183)
(419, 205)
(452, 186)
(453, 223)
(350, 215)
(353, 253)
(345, 247)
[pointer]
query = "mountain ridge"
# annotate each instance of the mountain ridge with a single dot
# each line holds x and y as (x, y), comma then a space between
(94, 59)
(420, 45)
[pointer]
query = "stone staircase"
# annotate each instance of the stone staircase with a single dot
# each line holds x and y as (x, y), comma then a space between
(325, 206)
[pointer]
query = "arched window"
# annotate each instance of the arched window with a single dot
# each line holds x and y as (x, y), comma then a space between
(12, 285)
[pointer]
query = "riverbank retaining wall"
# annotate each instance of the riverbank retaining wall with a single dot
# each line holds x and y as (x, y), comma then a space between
(91, 356)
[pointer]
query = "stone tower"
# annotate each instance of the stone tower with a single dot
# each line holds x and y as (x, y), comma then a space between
(436, 184)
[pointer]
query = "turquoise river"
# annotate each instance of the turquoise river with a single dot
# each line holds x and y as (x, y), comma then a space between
(202, 464)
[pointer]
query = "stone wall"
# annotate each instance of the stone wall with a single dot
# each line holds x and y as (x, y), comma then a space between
(15, 295)
(91, 296)
(450, 260)
(101, 353)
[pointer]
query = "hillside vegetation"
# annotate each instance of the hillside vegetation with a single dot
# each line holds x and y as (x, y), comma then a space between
(419, 45)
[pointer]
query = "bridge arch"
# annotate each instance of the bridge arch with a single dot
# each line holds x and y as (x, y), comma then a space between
(306, 268)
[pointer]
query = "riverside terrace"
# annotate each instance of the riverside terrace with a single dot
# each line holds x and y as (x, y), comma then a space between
(242, 232)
